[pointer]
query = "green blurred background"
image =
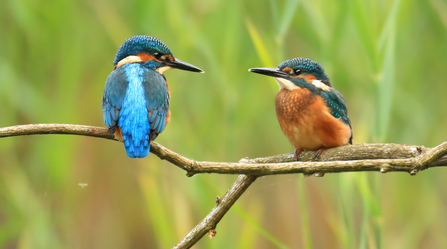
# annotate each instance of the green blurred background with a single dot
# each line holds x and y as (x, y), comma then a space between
(388, 59)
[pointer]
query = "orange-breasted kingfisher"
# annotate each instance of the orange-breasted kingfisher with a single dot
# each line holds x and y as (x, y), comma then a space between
(311, 113)
(136, 94)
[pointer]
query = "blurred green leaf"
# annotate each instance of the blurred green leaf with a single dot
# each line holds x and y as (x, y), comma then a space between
(364, 27)
(440, 7)
(387, 58)
(287, 16)
(259, 45)
(305, 223)
(259, 228)
(157, 210)
(386, 88)
(388, 28)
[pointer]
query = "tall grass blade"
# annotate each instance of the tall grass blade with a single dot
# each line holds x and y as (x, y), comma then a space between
(275, 13)
(364, 27)
(305, 224)
(441, 9)
(260, 47)
(259, 228)
(287, 16)
(388, 27)
(386, 87)
(157, 211)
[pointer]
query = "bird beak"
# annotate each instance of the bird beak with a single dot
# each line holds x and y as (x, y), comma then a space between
(176, 63)
(274, 72)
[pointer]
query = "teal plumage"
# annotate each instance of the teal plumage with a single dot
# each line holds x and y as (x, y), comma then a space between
(136, 95)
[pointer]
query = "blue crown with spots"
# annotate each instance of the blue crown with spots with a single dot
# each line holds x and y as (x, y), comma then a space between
(306, 66)
(141, 44)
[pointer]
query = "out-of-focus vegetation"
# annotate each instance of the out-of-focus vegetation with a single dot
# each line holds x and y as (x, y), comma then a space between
(388, 59)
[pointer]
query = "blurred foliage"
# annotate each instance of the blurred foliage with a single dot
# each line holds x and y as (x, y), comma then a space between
(387, 58)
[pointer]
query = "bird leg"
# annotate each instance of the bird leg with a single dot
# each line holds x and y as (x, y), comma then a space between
(297, 153)
(319, 152)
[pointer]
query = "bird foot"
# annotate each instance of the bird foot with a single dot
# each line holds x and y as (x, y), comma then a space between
(297, 153)
(319, 152)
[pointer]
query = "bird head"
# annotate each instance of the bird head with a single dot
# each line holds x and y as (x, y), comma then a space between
(297, 73)
(152, 53)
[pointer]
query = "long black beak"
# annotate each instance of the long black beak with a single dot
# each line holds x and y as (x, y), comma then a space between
(184, 66)
(274, 72)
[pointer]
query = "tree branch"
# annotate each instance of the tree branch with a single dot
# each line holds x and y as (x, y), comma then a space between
(361, 157)
(224, 204)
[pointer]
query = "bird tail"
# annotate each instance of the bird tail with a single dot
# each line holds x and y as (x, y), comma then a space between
(135, 136)
(136, 147)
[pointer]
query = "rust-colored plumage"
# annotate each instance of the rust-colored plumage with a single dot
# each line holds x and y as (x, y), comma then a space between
(307, 122)
(311, 113)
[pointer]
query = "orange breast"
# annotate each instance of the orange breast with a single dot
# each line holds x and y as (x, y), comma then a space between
(307, 122)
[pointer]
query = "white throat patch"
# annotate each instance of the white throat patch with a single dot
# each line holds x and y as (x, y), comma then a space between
(285, 84)
(320, 85)
(161, 70)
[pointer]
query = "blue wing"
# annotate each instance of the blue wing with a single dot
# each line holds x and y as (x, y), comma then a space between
(337, 106)
(157, 101)
(136, 99)
(113, 98)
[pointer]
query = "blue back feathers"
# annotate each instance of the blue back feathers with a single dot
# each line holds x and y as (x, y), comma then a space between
(133, 119)
(136, 97)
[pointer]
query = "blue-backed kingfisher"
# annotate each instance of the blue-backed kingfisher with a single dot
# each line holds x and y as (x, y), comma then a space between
(311, 113)
(136, 94)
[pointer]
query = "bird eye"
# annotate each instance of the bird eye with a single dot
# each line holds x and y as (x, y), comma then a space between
(297, 72)
(158, 55)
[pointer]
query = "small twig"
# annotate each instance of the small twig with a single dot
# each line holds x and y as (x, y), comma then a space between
(208, 224)
(362, 157)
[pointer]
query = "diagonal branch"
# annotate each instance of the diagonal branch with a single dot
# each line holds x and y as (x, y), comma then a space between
(362, 157)
(224, 204)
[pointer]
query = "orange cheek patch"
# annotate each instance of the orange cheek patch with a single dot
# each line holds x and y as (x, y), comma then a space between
(308, 77)
(287, 70)
(146, 57)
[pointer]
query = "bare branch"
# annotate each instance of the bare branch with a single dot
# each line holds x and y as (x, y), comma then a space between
(361, 157)
(67, 129)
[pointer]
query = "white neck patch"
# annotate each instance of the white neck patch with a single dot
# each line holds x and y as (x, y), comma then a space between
(129, 59)
(320, 85)
(285, 84)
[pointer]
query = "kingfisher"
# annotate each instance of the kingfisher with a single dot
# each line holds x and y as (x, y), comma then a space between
(136, 94)
(312, 114)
